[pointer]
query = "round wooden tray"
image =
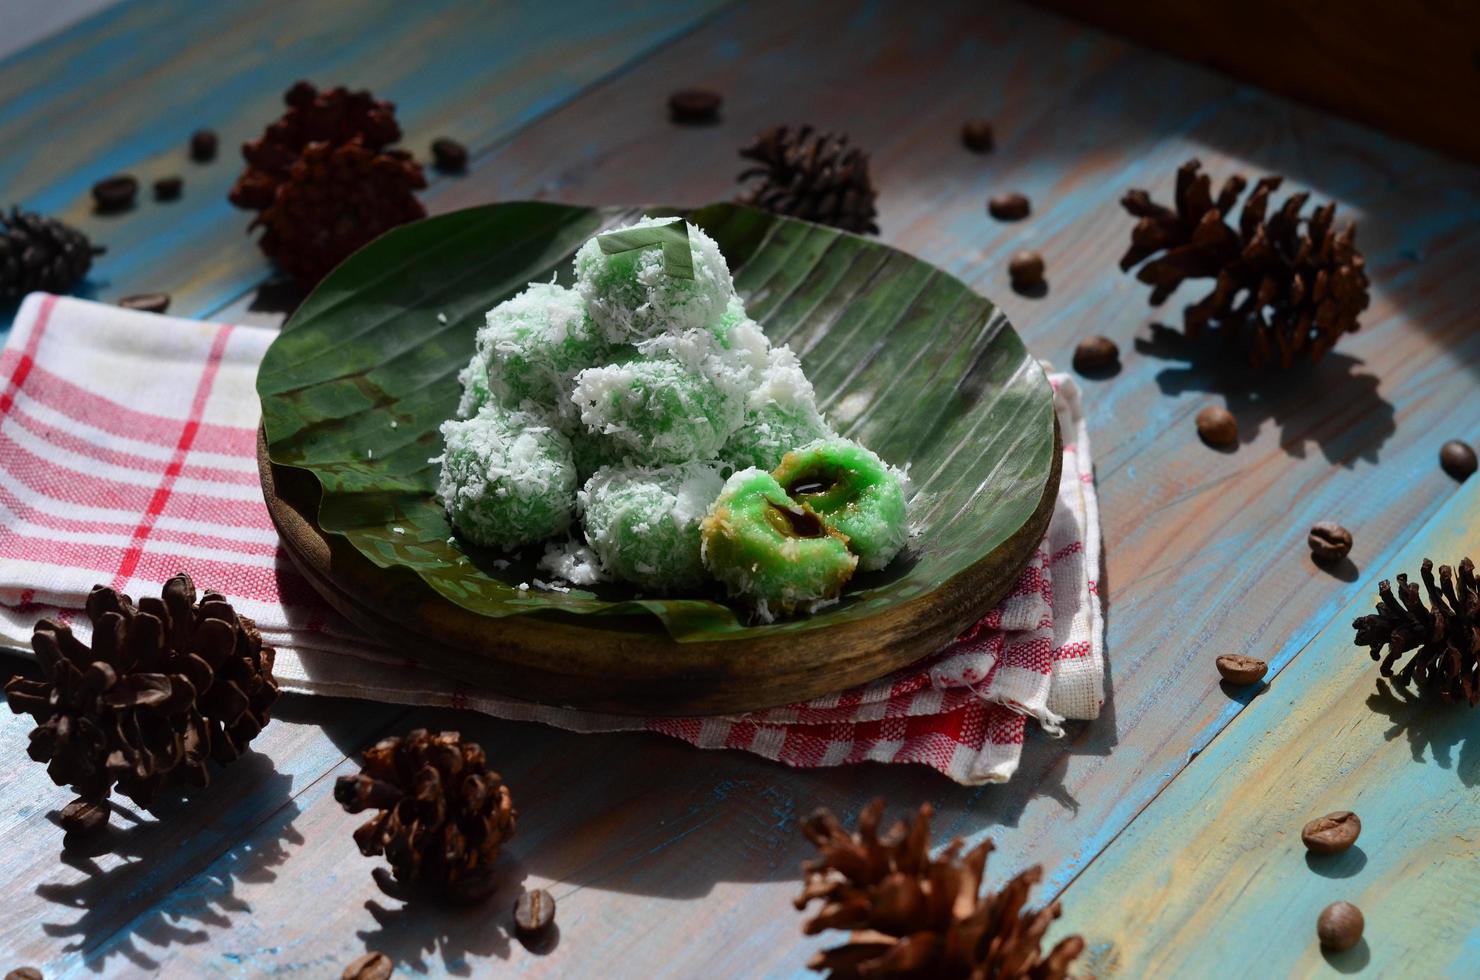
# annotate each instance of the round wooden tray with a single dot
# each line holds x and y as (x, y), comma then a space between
(631, 665)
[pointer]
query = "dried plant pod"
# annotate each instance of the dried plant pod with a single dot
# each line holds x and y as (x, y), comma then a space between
(443, 814)
(166, 687)
(1285, 286)
(913, 915)
(1444, 637)
(810, 175)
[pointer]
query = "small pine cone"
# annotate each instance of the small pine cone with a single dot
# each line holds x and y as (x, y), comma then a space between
(911, 915)
(166, 686)
(1445, 636)
(813, 176)
(323, 181)
(443, 816)
(1284, 286)
(40, 253)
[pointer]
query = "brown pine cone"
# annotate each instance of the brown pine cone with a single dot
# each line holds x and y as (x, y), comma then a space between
(912, 915)
(164, 687)
(324, 182)
(37, 252)
(1284, 286)
(1445, 636)
(443, 813)
(813, 176)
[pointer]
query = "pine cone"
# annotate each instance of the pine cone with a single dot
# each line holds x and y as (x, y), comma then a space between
(912, 915)
(1284, 286)
(166, 686)
(37, 252)
(324, 183)
(443, 813)
(816, 177)
(1446, 635)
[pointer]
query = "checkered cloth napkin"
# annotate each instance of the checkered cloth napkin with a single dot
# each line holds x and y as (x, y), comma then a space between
(127, 453)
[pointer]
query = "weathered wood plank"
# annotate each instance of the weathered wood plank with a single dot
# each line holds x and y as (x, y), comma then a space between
(1213, 872)
(122, 92)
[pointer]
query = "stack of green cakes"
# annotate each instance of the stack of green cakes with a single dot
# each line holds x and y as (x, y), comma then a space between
(608, 422)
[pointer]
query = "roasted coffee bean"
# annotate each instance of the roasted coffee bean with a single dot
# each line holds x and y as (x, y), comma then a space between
(147, 302)
(115, 193)
(84, 818)
(1331, 834)
(1340, 926)
(976, 136)
(1008, 207)
(1217, 426)
(203, 146)
(1096, 354)
(24, 973)
(1457, 459)
(1026, 270)
(694, 105)
(534, 912)
(371, 966)
(449, 156)
(168, 188)
(1240, 670)
(1329, 542)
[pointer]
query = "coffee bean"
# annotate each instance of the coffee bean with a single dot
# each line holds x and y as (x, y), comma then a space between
(976, 136)
(1095, 354)
(1008, 207)
(449, 156)
(1331, 834)
(371, 966)
(534, 912)
(147, 302)
(1340, 926)
(116, 193)
(694, 105)
(84, 818)
(1457, 459)
(1217, 426)
(203, 146)
(1026, 270)
(168, 188)
(1241, 671)
(1329, 542)
(24, 973)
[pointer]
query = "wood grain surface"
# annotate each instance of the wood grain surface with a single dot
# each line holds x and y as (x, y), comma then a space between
(668, 861)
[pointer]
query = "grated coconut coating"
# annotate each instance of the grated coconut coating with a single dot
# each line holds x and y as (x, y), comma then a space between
(656, 410)
(535, 343)
(781, 414)
(507, 478)
(632, 297)
(643, 522)
(573, 561)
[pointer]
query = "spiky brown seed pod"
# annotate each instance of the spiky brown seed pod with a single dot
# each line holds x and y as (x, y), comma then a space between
(165, 686)
(443, 816)
(41, 253)
(324, 181)
(1285, 287)
(810, 175)
(912, 915)
(1445, 636)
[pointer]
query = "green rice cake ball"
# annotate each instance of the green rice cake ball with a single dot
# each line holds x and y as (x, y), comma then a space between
(474, 382)
(781, 415)
(632, 297)
(656, 410)
(643, 522)
(507, 477)
(769, 551)
(535, 343)
(854, 492)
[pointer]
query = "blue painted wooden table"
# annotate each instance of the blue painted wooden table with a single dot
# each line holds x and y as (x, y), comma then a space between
(1169, 827)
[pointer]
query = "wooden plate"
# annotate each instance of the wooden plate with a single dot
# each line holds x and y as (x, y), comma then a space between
(631, 667)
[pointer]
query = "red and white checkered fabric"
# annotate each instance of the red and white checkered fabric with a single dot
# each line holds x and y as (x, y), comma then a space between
(127, 453)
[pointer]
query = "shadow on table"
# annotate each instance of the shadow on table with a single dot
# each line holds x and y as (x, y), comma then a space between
(141, 888)
(1447, 732)
(1331, 403)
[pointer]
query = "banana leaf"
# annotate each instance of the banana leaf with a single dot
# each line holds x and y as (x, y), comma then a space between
(905, 358)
